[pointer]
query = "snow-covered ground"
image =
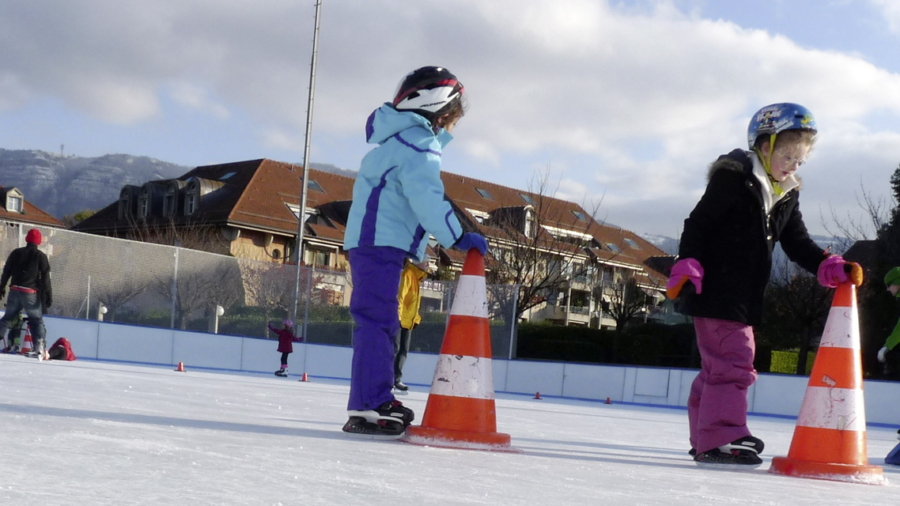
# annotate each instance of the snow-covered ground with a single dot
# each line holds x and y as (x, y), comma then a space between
(97, 433)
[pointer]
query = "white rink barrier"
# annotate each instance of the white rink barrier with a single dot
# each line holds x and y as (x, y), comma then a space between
(773, 394)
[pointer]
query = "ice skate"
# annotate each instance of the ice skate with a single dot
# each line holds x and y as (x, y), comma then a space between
(359, 426)
(281, 372)
(391, 411)
(741, 453)
(400, 388)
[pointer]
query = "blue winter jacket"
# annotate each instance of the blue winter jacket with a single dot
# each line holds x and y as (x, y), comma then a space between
(398, 196)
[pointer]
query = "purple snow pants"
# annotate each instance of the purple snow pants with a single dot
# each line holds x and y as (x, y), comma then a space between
(717, 406)
(376, 279)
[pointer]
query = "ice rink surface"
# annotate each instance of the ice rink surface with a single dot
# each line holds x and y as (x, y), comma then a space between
(97, 433)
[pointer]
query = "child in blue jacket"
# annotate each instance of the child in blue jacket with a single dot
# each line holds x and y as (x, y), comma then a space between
(398, 199)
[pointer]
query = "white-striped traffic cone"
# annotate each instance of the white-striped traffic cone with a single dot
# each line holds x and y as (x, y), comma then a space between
(460, 412)
(27, 344)
(830, 437)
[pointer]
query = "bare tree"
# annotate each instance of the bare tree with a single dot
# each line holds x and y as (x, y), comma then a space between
(797, 307)
(117, 295)
(191, 291)
(537, 248)
(270, 286)
(627, 300)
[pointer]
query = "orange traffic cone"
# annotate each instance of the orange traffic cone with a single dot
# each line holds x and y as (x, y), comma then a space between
(27, 344)
(830, 437)
(180, 367)
(304, 377)
(537, 396)
(460, 411)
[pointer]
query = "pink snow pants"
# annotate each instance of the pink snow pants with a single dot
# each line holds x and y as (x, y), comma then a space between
(717, 406)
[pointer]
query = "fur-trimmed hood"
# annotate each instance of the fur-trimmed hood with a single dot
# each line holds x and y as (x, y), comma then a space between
(740, 160)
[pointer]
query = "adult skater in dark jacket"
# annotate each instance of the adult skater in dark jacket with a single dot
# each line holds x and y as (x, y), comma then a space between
(28, 272)
(751, 202)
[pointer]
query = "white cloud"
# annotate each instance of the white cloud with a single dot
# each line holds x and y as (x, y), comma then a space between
(629, 103)
(12, 93)
(891, 11)
(197, 98)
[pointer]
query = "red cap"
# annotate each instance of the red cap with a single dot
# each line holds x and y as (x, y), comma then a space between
(33, 236)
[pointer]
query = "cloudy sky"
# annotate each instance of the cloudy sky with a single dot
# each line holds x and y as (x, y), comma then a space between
(624, 101)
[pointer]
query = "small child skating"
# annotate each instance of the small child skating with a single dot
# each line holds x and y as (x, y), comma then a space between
(286, 340)
(885, 355)
(409, 298)
(13, 339)
(398, 199)
(750, 203)
(892, 282)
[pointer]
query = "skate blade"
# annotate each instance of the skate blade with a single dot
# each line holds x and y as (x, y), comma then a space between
(728, 467)
(373, 437)
(401, 392)
(370, 431)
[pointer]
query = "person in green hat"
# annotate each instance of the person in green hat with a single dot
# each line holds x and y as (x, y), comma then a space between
(892, 282)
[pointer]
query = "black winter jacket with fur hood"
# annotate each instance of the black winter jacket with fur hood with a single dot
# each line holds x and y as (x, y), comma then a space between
(732, 237)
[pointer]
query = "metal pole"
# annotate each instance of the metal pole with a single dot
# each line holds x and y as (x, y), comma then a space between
(515, 321)
(87, 309)
(309, 276)
(301, 219)
(174, 290)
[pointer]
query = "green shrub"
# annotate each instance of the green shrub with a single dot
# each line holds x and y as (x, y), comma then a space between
(786, 361)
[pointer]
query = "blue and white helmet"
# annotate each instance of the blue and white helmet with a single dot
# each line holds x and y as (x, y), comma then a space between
(429, 92)
(776, 118)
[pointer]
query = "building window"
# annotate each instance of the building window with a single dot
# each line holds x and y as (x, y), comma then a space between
(226, 176)
(143, 206)
(14, 204)
(313, 185)
(579, 215)
(612, 247)
(529, 224)
(527, 198)
(169, 205)
(190, 203)
(317, 258)
(631, 243)
(124, 207)
(484, 193)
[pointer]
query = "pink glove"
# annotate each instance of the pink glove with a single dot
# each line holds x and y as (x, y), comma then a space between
(834, 270)
(684, 270)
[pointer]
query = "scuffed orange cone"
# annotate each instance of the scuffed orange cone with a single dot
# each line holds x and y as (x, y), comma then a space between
(27, 344)
(180, 367)
(537, 396)
(460, 412)
(830, 437)
(304, 377)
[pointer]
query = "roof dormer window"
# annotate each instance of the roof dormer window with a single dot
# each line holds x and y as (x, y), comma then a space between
(15, 203)
(484, 193)
(191, 201)
(315, 186)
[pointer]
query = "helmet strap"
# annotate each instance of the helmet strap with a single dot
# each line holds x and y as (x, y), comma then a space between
(767, 164)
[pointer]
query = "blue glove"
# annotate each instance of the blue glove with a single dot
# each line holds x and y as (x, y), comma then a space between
(471, 240)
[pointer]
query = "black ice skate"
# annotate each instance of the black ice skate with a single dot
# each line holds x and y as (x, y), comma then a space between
(401, 388)
(281, 372)
(382, 429)
(745, 443)
(740, 453)
(391, 411)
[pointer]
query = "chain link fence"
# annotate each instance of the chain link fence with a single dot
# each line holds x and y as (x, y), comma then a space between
(138, 283)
